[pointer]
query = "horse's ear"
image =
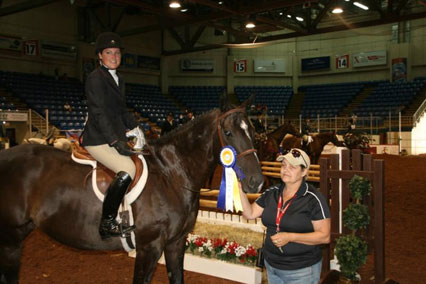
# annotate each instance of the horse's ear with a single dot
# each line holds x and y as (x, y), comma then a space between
(248, 102)
(224, 103)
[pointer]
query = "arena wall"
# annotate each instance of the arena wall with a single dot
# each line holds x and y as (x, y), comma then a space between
(50, 22)
(330, 44)
(418, 143)
(403, 139)
(40, 23)
(59, 22)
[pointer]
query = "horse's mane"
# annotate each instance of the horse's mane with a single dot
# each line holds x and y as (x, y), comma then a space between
(183, 130)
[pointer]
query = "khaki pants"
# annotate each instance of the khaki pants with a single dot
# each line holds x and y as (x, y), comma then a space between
(111, 159)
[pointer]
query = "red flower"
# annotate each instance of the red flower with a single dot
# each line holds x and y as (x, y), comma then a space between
(251, 251)
(200, 241)
(232, 246)
(219, 243)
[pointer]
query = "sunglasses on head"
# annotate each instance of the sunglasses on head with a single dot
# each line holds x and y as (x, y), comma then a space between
(296, 153)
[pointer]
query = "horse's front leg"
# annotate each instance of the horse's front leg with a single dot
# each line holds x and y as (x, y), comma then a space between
(174, 253)
(147, 257)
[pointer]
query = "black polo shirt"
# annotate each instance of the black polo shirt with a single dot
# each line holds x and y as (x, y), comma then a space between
(309, 205)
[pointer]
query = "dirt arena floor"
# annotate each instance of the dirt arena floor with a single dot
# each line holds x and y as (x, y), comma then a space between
(48, 262)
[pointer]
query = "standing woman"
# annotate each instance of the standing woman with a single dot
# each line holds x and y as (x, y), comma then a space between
(297, 221)
(104, 135)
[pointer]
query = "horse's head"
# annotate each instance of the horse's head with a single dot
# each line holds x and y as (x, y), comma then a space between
(291, 129)
(282, 130)
(324, 138)
(234, 129)
(335, 140)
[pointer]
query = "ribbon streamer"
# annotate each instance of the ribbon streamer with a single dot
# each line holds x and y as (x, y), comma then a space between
(229, 194)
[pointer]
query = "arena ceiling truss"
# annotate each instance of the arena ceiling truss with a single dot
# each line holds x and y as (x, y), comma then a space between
(274, 19)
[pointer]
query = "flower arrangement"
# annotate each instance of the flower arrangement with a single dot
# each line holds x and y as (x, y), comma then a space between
(221, 249)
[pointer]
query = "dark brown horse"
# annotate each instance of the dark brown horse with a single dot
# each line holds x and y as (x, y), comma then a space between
(314, 148)
(43, 188)
(268, 148)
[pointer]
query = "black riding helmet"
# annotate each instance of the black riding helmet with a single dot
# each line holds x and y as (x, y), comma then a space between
(107, 40)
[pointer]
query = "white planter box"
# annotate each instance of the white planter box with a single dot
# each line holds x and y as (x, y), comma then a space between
(221, 269)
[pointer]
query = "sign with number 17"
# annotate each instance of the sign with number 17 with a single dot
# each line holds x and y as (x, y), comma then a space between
(240, 66)
(31, 47)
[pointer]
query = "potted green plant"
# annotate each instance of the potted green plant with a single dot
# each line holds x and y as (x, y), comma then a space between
(351, 250)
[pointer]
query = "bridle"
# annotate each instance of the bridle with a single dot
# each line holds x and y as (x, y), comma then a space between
(219, 132)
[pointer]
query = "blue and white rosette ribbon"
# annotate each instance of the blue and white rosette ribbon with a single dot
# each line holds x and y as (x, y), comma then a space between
(229, 194)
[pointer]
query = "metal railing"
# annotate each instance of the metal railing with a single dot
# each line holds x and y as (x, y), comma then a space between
(37, 121)
(419, 112)
(40, 123)
(369, 124)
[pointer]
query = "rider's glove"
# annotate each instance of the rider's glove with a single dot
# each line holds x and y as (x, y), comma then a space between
(140, 137)
(122, 148)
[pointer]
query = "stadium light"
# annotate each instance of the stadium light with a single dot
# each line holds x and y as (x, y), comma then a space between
(337, 10)
(362, 6)
(174, 4)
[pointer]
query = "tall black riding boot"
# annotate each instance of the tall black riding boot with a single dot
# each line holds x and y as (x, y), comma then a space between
(109, 227)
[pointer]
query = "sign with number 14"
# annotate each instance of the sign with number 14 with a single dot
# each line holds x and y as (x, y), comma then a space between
(342, 62)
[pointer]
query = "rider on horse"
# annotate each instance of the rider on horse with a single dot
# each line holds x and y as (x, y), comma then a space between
(352, 123)
(104, 135)
(259, 129)
(306, 133)
(259, 123)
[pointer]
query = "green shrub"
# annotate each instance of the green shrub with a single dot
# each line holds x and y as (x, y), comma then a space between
(359, 187)
(356, 217)
(351, 253)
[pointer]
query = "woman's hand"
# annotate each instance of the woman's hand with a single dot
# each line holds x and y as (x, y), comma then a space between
(250, 210)
(281, 239)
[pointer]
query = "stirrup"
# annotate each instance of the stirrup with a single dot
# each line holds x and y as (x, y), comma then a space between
(126, 231)
(115, 229)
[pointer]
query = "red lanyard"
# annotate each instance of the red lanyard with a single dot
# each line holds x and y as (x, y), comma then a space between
(281, 211)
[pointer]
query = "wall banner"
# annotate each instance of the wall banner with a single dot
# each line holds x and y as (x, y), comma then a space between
(147, 62)
(342, 62)
(372, 58)
(203, 65)
(129, 60)
(240, 66)
(399, 69)
(13, 116)
(316, 63)
(269, 66)
(10, 43)
(58, 50)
